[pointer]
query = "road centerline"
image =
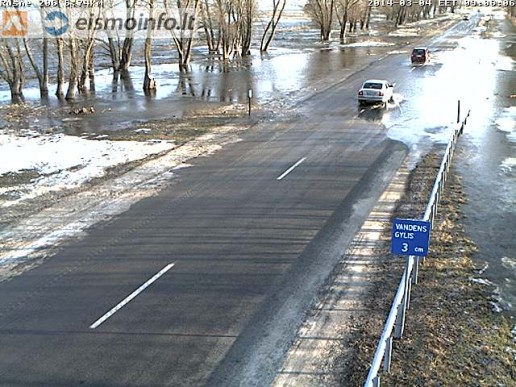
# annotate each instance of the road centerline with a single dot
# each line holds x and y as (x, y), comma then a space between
(130, 297)
(291, 169)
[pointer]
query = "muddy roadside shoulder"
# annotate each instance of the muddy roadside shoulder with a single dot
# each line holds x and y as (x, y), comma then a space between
(453, 334)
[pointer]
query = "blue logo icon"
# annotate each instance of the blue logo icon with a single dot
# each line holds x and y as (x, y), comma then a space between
(60, 23)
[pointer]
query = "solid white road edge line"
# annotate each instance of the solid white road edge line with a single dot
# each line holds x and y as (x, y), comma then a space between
(291, 169)
(131, 296)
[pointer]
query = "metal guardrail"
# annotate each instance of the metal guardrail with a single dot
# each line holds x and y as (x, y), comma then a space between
(395, 323)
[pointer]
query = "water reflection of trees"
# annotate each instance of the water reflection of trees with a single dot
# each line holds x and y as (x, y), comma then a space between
(122, 83)
(216, 81)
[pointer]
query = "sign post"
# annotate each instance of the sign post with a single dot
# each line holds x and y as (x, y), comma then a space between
(410, 237)
(250, 96)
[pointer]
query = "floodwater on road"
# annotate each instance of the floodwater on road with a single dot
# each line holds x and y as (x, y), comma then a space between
(488, 158)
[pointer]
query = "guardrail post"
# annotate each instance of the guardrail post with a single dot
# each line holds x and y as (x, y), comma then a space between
(388, 356)
(416, 270)
(400, 320)
(409, 288)
(399, 324)
(458, 111)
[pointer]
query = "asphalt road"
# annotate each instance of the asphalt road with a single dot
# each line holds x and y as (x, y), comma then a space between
(224, 263)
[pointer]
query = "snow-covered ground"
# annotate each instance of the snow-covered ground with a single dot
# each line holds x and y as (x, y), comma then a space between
(63, 162)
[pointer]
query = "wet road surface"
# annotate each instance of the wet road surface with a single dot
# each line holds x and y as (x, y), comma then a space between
(252, 233)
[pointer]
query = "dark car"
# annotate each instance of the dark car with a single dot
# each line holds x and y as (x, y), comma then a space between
(420, 56)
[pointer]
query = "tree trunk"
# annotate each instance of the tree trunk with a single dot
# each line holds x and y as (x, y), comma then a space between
(114, 55)
(127, 47)
(16, 89)
(18, 78)
(246, 29)
(41, 74)
(184, 40)
(212, 39)
(87, 66)
(149, 84)
(126, 55)
(60, 68)
(368, 16)
(73, 80)
(11, 70)
(91, 71)
(228, 41)
(43, 84)
(327, 22)
(270, 30)
(343, 22)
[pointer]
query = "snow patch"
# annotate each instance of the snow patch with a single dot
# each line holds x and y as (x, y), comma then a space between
(506, 123)
(64, 162)
(509, 263)
(508, 166)
(368, 44)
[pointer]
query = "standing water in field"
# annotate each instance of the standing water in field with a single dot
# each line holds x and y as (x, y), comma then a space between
(488, 161)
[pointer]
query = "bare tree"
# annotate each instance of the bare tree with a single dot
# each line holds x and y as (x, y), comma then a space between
(226, 10)
(126, 50)
(268, 34)
(120, 50)
(149, 84)
(400, 13)
(73, 78)
(87, 60)
(357, 14)
(343, 9)
(41, 72)
(60, 68)
(368, 15)
(11, 68)
(245, 20)
(321, 13)
(210, 26)
(235, 22)
(183, 40)
(88, 66)
(40, 69)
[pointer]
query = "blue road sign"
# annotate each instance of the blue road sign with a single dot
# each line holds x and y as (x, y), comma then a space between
(410, 237)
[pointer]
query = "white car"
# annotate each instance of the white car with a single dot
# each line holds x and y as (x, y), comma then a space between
(376, 91)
